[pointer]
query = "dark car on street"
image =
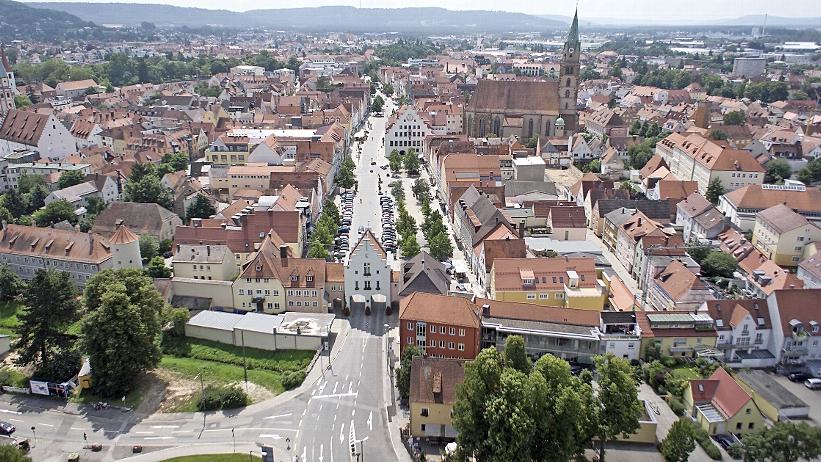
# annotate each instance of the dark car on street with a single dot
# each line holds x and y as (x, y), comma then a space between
(6, 428)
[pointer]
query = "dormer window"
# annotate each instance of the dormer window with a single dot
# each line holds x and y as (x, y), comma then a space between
(294, 278)
(309, 278)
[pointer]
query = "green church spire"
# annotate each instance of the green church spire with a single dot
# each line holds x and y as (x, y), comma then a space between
(573, 41)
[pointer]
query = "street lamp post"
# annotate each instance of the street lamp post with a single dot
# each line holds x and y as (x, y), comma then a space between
(34, 434)
(234, 437)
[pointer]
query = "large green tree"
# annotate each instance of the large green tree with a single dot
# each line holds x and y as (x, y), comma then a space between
(515, 354)
(538, 414)
(679, 442)
(714, 191)
(403, 372)
(51, 307)
(157, 268)
(410, 247)
(735, 118)
(395, 161)
(55, 212)
(149, 247)
(777, 170)
(411, 161)
(783, 442)
(10, 453)
(147, 188)
(346, 178)
(200, 208)
(70, 178)
(440, 246)
(11, 285)
(719, 264)
(618, 408)
(121, 328)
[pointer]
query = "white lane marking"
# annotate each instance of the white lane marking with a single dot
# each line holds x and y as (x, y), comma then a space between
(304, 453)
(144, 433)
(75, 428)
(342, 433)
(338, 395)
(182, 431)
(335, 387)
(370, 421)
(278, 416)
(321, 450)
(6, 411)
(165, 426)
(45, 424)
(276, 437)
(160, 437)
(350, 387)
(353, 412)
(15, 420)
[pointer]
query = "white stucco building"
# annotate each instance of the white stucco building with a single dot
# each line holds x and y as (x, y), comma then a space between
(367, 272)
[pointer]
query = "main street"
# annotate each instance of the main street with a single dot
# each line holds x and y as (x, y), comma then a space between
(346, 394)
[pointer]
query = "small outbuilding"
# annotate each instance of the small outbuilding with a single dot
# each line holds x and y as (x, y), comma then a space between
(287, 331)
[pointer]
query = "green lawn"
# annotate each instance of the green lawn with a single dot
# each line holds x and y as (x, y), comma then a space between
(8, 318)
(222, 364)
(685, 373)
(132, 400)
(216, 458)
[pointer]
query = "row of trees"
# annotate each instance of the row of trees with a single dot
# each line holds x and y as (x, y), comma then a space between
(346, 177)
(509, 409)
(410, 161)
(323, 235)
(119, 326)
(120, 69)
(433, 226)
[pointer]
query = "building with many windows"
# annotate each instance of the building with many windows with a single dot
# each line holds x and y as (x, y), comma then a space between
(441, 326)
(405, 131)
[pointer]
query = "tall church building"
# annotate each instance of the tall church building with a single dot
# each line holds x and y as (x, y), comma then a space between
(527, 108)
(8, 87)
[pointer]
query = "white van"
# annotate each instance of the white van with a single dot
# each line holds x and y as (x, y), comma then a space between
(813, 384)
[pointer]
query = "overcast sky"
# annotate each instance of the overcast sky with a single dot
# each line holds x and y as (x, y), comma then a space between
(657, 10)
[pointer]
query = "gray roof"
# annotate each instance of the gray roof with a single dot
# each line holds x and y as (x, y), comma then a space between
(537, 327)
(765, 385)
(76, 192)
(425, 264)
(215, 320)
(619, 215)
(259, 322)
(519, 187)
(653, 209)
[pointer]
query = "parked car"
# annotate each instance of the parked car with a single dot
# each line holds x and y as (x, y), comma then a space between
(799, 376)
(724, 440)
(813, 384)
(6, 428)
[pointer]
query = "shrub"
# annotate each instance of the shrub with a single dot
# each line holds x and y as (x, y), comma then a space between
(12, 378)
(706, 443)
(179, 316)
(215, 398)
(677, 406)
(291, 380)
(670, 361)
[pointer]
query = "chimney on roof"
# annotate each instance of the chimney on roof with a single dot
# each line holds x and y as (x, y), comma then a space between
(208, 250)
(485, 310)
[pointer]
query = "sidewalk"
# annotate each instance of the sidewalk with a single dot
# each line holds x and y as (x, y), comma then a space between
(208, 448)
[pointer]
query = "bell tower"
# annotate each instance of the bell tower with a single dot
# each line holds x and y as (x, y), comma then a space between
(8, 87)
(569, 77)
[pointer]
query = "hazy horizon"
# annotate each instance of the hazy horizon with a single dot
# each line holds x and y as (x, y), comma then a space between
(650, 10)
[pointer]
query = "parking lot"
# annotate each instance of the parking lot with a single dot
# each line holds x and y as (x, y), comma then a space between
(811, 397)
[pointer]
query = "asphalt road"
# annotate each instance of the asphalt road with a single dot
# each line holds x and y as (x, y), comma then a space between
(347, 391)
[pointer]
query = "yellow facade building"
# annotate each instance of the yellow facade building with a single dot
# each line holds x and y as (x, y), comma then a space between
(720, 405)
(781, 234)
(558, 282)
(432, 394)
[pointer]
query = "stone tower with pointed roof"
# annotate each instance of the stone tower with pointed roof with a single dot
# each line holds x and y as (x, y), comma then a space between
(8, 86)
(569, 77)
(125, 249)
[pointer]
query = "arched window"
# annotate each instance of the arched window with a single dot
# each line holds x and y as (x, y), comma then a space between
(565, 105)
(497, 126)
(530, 128)
(567, 84)
(482, 128)
(567, 93)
